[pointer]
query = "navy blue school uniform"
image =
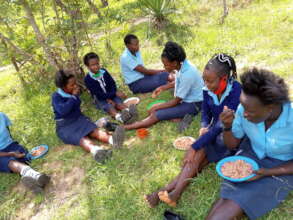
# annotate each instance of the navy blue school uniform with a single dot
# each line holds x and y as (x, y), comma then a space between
(102, 88)
(7, 144)
(71, 124)
(212, 141)
(268, 148)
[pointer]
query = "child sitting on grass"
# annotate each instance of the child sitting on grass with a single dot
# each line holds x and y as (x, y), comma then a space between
(13, 159)
(187, 94)
(72, 126)
(104, 91)
(221, 90)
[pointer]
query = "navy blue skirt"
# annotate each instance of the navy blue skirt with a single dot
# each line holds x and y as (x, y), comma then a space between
(258, 197)
(4, 161)
(217, 150)
(70, 131)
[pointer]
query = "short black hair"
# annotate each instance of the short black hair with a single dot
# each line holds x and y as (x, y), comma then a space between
(62, 78)
(174, 52)
(128, 38)
(265, 85)
(89, 56)
(223, 64)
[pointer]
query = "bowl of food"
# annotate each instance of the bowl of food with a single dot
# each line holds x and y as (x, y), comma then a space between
(142, 133)
(160, 101)
(131, 101)
(236, 168)
(38, 151)
(183, 143)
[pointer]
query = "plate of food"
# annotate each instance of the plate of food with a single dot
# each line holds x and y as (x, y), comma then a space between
(159, 101)
(131, 101)
(38, 151)
(183, 143)
(236, 168)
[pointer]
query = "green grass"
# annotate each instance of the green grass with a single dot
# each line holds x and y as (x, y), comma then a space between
(257, 34)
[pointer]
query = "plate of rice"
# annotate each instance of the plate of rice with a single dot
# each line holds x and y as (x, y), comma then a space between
(183, 143)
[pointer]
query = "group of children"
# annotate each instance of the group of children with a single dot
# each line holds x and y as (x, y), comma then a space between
(254, 119)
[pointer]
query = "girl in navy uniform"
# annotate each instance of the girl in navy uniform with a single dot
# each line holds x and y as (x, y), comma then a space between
(221, 89)
(104, 91)
(72, 126)
(13, 159)
(188, 86)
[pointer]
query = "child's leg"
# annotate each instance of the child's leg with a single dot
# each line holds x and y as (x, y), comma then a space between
(189, 171)
(145, 123)
(100, 135)
(98, 153)
(31, 179)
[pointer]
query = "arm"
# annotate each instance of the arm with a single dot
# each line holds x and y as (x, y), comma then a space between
(12, 154)
(146, 71)
(169, 104)
(206, 115)
(113, 88)
(162, 88)
(64, 108)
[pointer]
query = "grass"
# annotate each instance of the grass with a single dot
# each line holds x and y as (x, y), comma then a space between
(259, 33)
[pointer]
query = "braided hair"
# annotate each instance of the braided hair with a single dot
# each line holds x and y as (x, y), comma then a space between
(174, 52)
(223, 64)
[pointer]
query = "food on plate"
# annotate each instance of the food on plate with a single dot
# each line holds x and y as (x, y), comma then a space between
(183, 143)
(38, 151)
(236, 169)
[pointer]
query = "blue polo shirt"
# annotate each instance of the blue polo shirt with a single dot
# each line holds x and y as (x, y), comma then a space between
(127, 63)
(5, 138)
(276, 142)
(188, 83)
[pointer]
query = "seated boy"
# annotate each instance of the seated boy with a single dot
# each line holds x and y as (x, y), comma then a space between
(138, 78)
(13, 159)
(103, 89)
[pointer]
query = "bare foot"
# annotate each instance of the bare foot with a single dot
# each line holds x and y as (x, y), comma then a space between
(152, 199)
(164, 197)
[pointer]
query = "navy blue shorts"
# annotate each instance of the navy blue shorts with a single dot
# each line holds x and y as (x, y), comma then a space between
(149, 83)
(105, 106)
(4, 161)
(71, 131)
(178, 111)
(258, 197)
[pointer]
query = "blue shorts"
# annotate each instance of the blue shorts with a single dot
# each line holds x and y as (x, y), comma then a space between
(258, 197)
(4, 161)
(149, 83)
(178, 111)
(105, 106)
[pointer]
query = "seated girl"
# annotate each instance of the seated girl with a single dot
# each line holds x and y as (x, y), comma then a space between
(263, 127)
(103, 89)
(72, 126)
(188, 89)
(13, 159)
(221, 90)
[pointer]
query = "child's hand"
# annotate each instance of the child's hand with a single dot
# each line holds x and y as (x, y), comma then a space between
(227, 117)
(17, 154)
(76, 90)
(202, 131)
(157, 92)
(153, 108)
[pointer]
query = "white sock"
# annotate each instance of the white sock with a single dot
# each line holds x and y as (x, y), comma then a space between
(95, 149)
(28, 171)
(111, 140)
(118, 117)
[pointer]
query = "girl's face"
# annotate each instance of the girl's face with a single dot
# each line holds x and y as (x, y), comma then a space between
(70, 86)
(133, 46)
(170, 66)
(94, 65)
(211, 79)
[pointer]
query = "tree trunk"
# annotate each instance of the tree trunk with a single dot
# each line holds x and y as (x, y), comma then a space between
(225, 12)
(51, 57)
(94, 8)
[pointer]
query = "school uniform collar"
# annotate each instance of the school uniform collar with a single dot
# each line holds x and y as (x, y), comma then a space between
(225, 94)
(92, 75)
(64, 94)
(131, 54)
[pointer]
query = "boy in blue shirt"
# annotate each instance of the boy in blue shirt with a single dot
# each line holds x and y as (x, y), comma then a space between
(138, 78)
(104, 91)
(262, 128)
(13, 159)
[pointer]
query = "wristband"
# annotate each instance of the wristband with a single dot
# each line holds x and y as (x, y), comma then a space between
(227, 129)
